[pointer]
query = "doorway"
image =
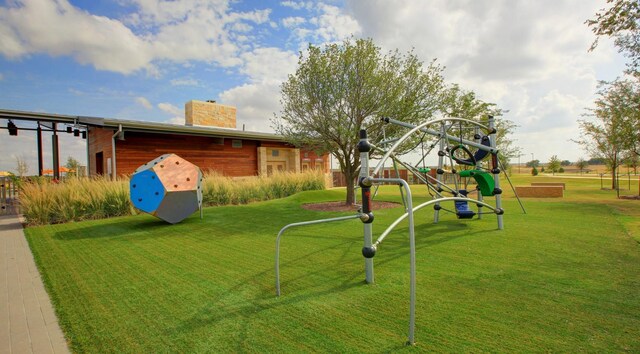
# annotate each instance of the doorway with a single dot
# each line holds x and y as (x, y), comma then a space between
(99, 163)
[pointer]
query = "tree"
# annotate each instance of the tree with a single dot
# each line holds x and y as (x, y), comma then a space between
(565, 163)
(72, 165)
(596, 161)
(606, 137)
(554, 164)
(534, 171)
(621, 22)
(533, 163)
(338, 90)
(631, 160)
(581, 164)
(22, 168)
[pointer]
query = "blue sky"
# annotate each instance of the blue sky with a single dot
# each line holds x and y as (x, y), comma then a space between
(143, 59)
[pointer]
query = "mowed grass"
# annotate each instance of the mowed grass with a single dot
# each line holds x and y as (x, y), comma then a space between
(565, 277)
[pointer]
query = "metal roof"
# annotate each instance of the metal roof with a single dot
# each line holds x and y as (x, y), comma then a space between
(138, 126)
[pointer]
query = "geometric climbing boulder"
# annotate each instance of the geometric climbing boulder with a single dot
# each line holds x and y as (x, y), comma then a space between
(168, 187)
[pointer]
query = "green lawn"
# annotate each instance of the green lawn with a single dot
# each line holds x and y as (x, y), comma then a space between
(563, 278)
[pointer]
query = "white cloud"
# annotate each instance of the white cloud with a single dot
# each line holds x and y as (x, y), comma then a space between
(178, 114)
(255, 103)
(171, 109)
(259, 99)
(175, 31)
(326, 24)
(526, 56)
(290, 22)
(144, 102)
(297, 5)
(176, 120)
(280, 64)
(184, 82)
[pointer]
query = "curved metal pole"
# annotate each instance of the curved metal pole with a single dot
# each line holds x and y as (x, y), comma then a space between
(412, 253)
(320, 221)
(433, 201)
(422, 128)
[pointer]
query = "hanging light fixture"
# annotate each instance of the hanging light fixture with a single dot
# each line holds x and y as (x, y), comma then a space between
(13, 130)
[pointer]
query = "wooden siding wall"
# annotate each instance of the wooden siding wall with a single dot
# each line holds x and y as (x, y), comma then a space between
(205, 152)
(99, 140)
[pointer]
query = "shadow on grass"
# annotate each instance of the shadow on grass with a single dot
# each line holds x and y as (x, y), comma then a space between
(243, 311)
(139, 228)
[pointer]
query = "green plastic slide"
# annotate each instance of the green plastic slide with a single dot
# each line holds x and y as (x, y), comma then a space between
(484, 180)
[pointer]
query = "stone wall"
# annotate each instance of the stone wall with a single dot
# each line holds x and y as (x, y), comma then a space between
(209, 114)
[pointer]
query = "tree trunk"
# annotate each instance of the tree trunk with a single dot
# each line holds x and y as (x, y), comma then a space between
(613, 171)
(350, 176)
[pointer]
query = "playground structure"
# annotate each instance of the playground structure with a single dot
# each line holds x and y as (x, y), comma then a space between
(487, 179)
(168, 187)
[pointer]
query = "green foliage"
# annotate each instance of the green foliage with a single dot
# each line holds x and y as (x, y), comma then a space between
(534, 163)
(581, 164)
(621, 21)
(534, 171)
(565, 163)
(554, 164)
(73, 165)
(344, 87)
(613, 127)
(549, 281)
(43, 202)
(561, 170)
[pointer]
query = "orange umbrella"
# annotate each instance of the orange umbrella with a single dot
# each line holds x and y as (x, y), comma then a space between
(62, 170)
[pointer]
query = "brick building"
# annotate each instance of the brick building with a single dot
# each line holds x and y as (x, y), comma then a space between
(209, 138)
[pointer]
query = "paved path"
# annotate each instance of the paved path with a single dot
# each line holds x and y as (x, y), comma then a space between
(28, 323)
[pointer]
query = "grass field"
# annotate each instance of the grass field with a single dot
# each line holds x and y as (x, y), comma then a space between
(565, 277)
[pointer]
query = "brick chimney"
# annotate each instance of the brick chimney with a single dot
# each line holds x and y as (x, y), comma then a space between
(210, 114)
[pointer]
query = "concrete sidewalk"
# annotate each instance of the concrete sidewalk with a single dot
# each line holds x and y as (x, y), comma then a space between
(28, 323)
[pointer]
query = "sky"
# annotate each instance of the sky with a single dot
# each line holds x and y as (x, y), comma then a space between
(144, 59)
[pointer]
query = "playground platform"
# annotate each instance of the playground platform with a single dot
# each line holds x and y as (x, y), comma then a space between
(28, 323)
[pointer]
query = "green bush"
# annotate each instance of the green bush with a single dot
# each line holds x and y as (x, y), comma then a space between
(534, 171)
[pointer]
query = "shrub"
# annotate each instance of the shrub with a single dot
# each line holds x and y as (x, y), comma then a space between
(534, 171)
(44, 202)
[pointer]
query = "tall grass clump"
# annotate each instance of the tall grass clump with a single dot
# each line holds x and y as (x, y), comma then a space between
(220, 190)
(44, 202)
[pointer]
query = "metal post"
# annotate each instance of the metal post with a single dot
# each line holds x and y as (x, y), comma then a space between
(412, 253)
(496, 171)
(478, 166)
(436, 213)
(55, 153)
(364, 147)
(39, 141)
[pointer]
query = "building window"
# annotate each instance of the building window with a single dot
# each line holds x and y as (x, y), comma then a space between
(236, 144)
(275, 153)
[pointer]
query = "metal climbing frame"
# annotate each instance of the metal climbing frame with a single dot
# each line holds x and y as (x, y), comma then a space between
(428, 128)
(367, 179)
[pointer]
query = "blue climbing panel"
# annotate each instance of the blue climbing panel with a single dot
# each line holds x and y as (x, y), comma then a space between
(147, 191)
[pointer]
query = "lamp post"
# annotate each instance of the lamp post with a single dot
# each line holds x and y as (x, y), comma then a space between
(532, 164)
(519, 163)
